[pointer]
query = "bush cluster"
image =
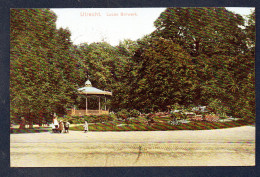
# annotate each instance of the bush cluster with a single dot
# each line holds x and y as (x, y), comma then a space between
(89, 118)
(125, 114)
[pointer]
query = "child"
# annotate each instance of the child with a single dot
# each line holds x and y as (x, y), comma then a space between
(66, 127)
(61, 126)
(85, 127)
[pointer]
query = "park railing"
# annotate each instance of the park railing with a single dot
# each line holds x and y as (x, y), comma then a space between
(86, 112)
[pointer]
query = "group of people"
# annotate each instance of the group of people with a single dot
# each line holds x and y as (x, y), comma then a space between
(60, 126)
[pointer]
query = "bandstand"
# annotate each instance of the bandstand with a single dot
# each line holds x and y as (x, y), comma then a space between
(88, 90)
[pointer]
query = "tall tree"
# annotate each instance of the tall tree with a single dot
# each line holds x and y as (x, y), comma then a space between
(206, 31)
(30, 29)
(41, 69)
(165, 76)
(222, 51)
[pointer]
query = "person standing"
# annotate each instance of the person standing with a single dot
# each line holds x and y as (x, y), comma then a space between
(66, 127)
(55, 121)
(85, 127)
(61, 126)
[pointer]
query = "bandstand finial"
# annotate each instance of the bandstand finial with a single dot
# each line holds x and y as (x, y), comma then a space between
(88, 83)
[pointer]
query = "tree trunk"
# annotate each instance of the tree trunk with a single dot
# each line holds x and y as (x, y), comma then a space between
(22, 124)
(31, 124)
(30, 121)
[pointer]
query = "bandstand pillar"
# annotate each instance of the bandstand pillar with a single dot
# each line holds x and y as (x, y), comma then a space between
(99, 105)
(86, 105)
(105, 103)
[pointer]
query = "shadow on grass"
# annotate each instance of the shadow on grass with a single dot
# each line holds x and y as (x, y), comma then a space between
(29, 130)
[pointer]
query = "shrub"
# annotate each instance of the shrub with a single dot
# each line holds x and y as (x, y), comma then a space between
(134, 113)
(123, 114)
(156, 117)
(141, 119)
(69, 119)
(104, 118)
(113, 117)
(89, 118)
(178, 115)
(218, 107)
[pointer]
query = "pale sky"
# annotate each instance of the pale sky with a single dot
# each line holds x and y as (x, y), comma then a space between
(89, 25)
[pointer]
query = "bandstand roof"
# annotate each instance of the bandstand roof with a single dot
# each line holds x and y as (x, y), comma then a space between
(89, 90)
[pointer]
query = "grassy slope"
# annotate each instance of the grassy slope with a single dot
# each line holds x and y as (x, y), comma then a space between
(139, 126)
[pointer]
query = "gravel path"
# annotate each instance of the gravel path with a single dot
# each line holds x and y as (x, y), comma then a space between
(238, 134)
(220, 147)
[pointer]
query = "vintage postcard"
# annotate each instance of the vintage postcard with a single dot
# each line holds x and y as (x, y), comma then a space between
(132, 87)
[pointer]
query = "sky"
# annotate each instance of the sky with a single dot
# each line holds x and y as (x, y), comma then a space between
(88, 25)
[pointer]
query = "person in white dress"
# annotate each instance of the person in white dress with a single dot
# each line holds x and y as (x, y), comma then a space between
(85, 127)
(55, 123)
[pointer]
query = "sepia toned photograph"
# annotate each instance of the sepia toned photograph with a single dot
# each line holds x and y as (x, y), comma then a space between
(132, 87)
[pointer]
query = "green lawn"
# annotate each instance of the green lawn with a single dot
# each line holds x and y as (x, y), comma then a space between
(141, 126)
(30, 130)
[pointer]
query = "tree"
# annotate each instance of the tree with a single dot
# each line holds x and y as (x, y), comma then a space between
(206, 31)
(109, 68)
(222, 51)
(165, 76)
(41, 68)
(250, 31)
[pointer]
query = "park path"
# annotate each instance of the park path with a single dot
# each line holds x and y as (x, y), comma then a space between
(219, 147)
(238, 134)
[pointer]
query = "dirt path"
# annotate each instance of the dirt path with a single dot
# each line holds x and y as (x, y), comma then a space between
(222, 147)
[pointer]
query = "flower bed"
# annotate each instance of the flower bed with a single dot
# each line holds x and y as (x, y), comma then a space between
(211, 118)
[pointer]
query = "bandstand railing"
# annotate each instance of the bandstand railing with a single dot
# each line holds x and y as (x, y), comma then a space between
(74, 112)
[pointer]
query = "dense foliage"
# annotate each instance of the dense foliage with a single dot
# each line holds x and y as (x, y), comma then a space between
(165, 76)
(196, 56)
(42, 68)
